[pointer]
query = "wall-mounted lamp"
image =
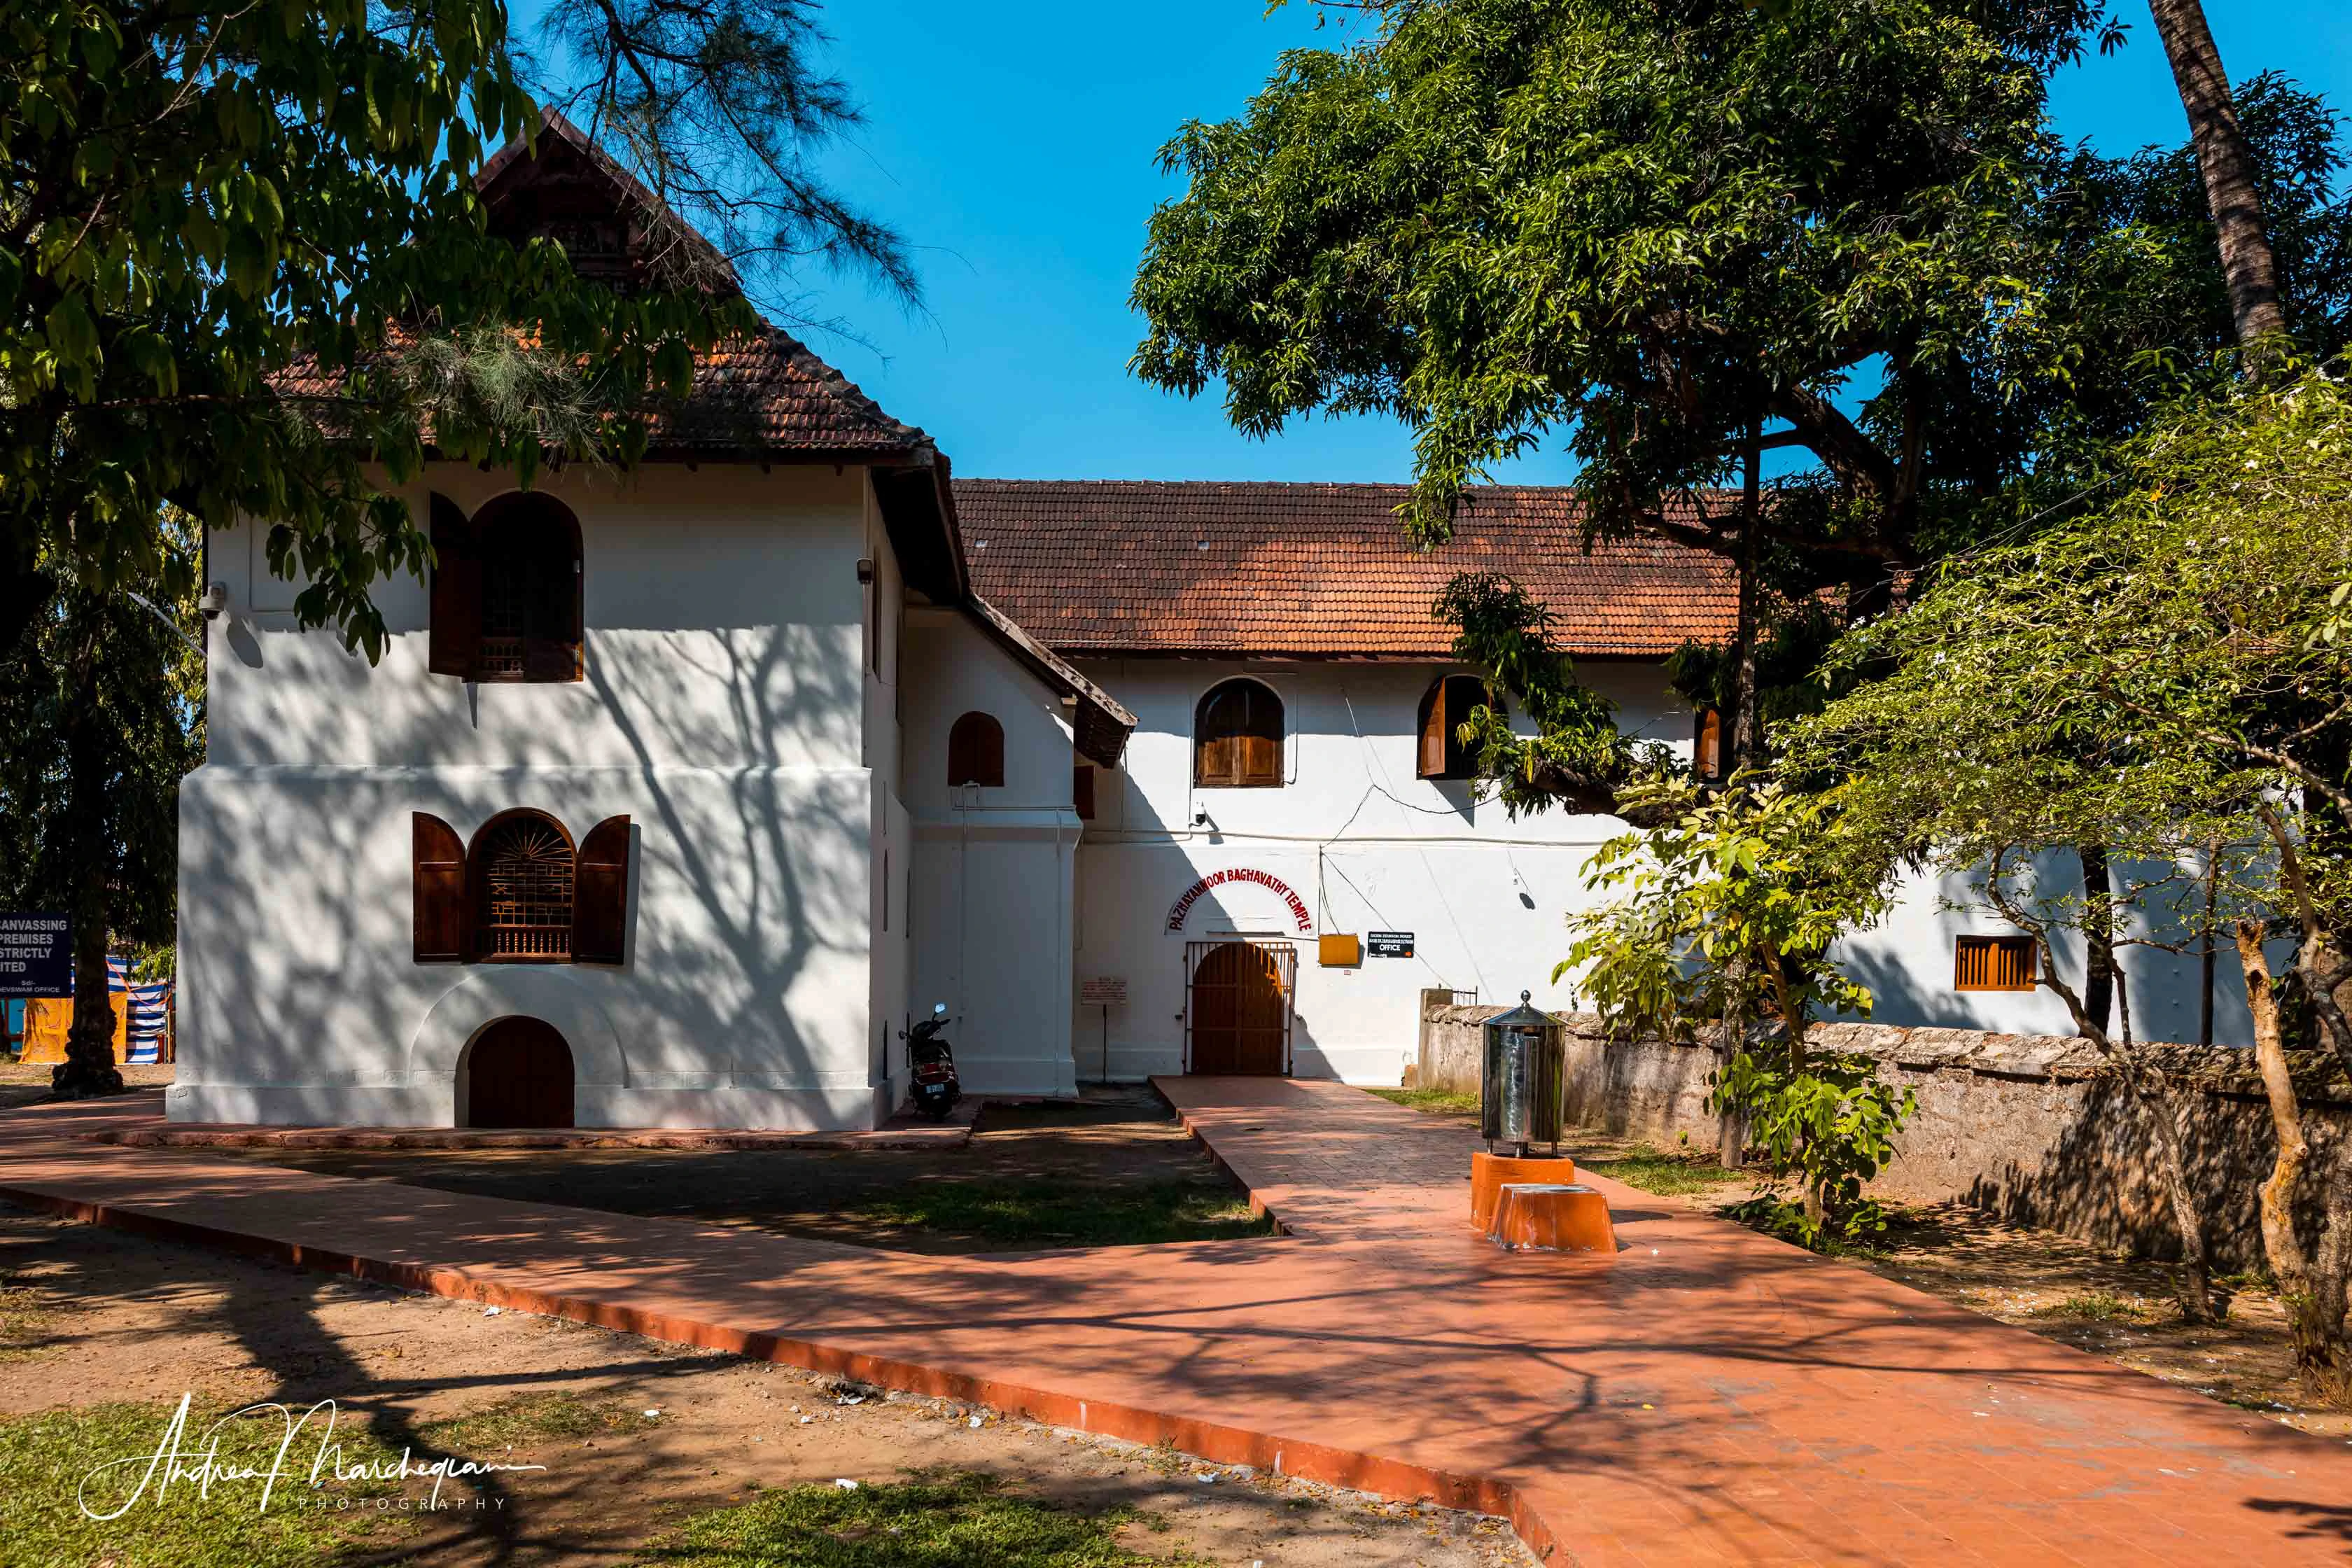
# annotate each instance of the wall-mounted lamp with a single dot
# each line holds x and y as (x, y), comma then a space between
(866, 568)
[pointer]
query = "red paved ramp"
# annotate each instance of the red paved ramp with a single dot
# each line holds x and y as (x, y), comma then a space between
(1707, 1395)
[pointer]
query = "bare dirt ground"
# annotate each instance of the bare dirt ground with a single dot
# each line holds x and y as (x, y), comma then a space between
(2119, 1307)
(2112, 1306)
(23, 1083)
(1041, 1166)
(89, 1316)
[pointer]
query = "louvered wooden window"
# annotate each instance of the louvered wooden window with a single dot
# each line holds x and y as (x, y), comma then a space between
(524, 872)
(600, 906)
(1994, 964)
(1707, 744)
(437, 870)
(520, 893)
(1446, 707)
(506, 596)
(976, 752)
(1237, 738)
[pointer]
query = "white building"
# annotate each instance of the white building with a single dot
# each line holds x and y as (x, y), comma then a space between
(620, 830)
(1167, 594)
(678, 792)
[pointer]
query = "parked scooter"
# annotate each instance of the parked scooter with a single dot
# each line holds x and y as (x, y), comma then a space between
(936, 1090)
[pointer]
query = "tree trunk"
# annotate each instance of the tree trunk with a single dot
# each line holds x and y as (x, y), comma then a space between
(2314, 1316)
(1747, 724)
(2227, 163)
(2194, 1287)
(2323, 1357)
(89, 1068)
(2098, 935)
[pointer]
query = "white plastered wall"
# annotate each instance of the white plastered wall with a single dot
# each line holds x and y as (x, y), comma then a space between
(722, 712)
(991, 896)
(1368, 846)
(1364, 844)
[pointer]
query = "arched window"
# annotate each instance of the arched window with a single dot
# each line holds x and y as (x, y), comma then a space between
(1444, 708)
(506, 590)
(1237, 738)
(522, 869)
(976, 752)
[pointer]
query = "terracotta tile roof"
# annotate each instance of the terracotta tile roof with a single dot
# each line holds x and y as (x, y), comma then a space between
(770, 394)
(1312, 570)
(763, 397)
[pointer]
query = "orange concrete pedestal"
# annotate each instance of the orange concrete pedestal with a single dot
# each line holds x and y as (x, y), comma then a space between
(1489, 1171)
(1553, 1216)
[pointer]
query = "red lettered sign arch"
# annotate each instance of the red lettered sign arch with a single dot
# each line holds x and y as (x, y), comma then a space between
(1183, 907)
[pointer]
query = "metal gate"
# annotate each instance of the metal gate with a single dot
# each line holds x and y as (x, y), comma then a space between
(1226, 1010)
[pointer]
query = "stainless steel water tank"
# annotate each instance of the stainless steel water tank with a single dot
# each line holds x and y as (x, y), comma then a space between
(1519, 1099)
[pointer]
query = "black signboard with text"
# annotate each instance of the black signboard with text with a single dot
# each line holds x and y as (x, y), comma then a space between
(36, 956)
(1388, 944)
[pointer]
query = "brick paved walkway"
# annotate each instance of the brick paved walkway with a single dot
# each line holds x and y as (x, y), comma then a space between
(1707, 1395)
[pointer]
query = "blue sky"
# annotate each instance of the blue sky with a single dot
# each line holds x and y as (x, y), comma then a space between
(1014, 146)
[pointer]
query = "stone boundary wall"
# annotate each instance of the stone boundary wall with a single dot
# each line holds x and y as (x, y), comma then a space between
(2032, 1128)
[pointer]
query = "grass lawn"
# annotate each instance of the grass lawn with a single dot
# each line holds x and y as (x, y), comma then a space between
(1660, 1172)
(44, 1457)
(1436, 1101)
(1111, 1169)
(938, 1521)
(1016, 1213)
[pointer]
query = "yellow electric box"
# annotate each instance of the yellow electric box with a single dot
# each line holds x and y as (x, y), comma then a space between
(1341, 952)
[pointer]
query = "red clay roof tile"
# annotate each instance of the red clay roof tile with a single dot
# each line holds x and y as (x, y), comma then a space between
(1313, 570)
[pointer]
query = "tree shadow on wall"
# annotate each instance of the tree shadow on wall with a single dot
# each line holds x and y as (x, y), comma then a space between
(327, 950)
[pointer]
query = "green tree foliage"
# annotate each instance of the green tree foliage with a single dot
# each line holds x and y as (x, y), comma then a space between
(2170, 674)
(1721, 924)
(1646, 229)
(196, 200)
(103, 708)
(245, 277)
(1577, 755)
(1652, 234)
(2134, 274)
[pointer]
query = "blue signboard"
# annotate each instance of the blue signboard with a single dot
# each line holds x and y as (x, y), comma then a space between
(36, 956)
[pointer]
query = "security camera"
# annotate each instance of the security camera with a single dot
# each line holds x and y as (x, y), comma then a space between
(213, 601)
(1200, 817)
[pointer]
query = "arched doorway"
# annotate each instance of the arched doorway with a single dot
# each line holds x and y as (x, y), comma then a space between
(518, 1074)
(1240, 1010)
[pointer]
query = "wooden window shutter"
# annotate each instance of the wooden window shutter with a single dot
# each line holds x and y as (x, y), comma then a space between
(1237, 737)
(1261, 760)
(600, 906)
(976, 752)
(1434, 724)
(1465, 695)
(1992, 963)
(454, 640)
(1082, 790)
(543, 658)
(1213, 760)
(437, 858)
(1707, 747)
